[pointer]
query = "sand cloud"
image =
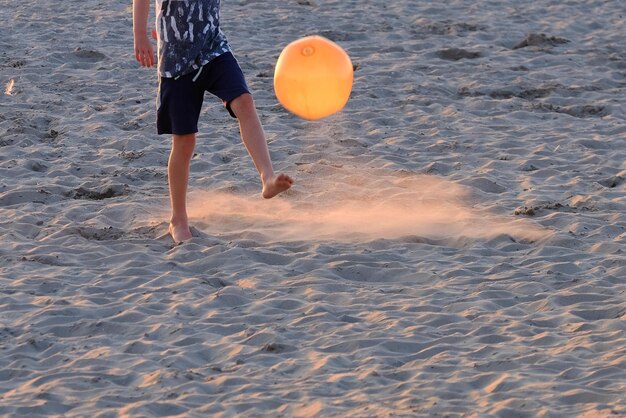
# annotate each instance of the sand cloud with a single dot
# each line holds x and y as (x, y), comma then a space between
(348, 205)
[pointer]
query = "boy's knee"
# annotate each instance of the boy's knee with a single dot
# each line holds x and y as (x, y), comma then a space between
(184, 137)
(241, 104)
(185, 143)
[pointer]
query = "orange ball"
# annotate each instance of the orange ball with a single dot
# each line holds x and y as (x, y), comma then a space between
(313, 77)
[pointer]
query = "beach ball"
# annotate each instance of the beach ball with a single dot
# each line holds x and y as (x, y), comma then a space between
(313, 77)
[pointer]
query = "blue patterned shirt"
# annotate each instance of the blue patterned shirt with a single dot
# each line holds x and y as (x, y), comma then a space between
(189, 35)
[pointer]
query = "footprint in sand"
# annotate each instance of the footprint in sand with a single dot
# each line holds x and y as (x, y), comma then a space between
(89, 55)
(540, 40)
(106, 193)
(456, 54)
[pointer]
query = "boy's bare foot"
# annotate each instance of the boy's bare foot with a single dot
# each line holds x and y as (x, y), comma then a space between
(276, 185)
(180, 232)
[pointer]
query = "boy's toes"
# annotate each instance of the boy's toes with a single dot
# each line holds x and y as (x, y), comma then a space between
(277, 185)
(284, 179)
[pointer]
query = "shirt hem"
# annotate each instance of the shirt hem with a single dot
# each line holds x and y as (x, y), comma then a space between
(193, 67)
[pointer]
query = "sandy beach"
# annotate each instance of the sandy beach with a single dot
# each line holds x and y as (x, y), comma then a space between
(454, 244)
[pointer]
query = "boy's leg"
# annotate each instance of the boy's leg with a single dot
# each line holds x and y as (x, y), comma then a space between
(178, 178)
(254, 139)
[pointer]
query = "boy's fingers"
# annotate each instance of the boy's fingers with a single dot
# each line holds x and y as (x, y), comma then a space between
(144, 58)
(148, 57)
(139, 56)
(144, 53)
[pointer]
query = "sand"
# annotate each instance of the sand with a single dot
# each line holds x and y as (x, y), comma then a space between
(454, 244)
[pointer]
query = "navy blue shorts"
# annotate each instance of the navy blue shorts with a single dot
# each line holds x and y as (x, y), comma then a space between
(180, 99)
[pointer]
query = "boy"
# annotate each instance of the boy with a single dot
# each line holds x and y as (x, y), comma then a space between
(194, 56)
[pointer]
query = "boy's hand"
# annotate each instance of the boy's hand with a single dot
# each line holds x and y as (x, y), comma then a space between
(144, 53)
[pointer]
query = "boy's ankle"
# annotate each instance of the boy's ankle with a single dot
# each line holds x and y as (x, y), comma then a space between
(179, 221)
(265, 178)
